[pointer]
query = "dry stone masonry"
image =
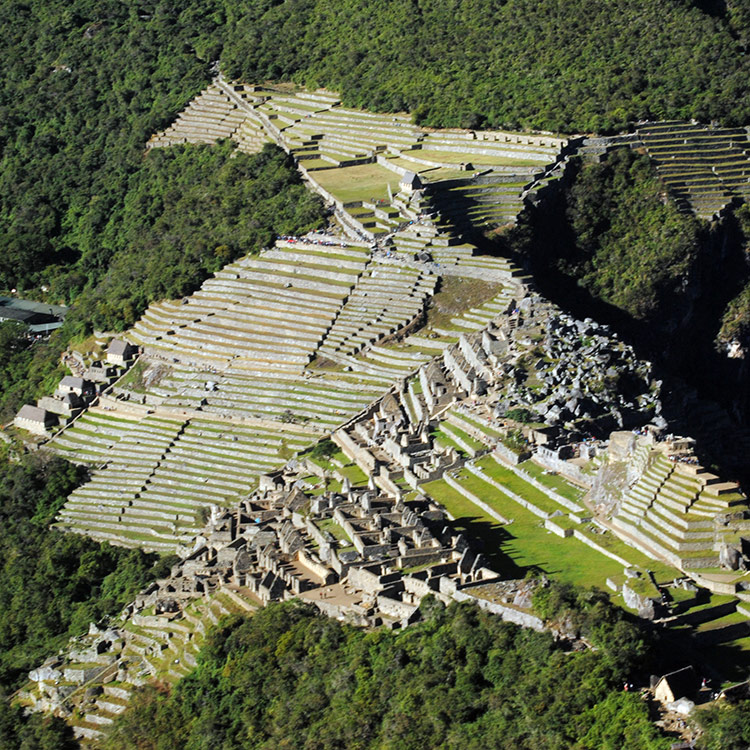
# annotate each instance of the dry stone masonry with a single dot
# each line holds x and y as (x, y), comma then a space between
(201, 448)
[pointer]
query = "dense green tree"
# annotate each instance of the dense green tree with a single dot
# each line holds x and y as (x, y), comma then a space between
(27, 367)
(725, 727)
(53, 584)
(85, 84)
(35, 732)
(574, 66)
(187, 212)
(611, 233)
(291, 678)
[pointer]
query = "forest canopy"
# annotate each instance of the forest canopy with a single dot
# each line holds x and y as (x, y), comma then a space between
(289, 677)
(53, 584)
(609, 231)
(577, 66)
(85, 84)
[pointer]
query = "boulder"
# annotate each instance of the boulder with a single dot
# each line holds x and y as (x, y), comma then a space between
(44, 674)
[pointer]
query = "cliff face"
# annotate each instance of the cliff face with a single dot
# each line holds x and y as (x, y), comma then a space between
(606, 242)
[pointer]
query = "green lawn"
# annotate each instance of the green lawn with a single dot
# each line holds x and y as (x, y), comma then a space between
(525, 544)
(515, 484)
(482, 489)
(479, 425)
(354, 473)
(553, 481)
(361, 182)
(663, 572)
(333, 528)
(442, 439)
(449, 157)
(477, 445)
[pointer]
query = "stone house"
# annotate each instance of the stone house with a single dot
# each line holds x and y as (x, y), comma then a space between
(100, 372)
(68, 406)
(35, 420)
(78, 386)
(409, 182)
(120, 352)
(683, 683)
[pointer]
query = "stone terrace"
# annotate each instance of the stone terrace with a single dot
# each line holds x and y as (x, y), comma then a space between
(265, 313)
(210, 116)
(384, 301)
(281, 347)
(390, 363)
(209, 426)
(319, 401)
(322, 136)
(102, 668)
(671, 511)
(161, 475)
(703, 168)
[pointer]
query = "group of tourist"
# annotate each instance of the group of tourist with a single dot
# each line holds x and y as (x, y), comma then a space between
(313, 240)
(681, 459)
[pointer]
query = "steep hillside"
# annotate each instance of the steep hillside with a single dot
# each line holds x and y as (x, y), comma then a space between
(84, 85)
(259, 338)
(53, 584)
(289, 678)
(606, 242)
(573, 66)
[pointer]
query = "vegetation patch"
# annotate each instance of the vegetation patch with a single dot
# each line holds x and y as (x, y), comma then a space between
(455, 295)
(53, 584)
(361, 182)
(523, 545)
(288, 677)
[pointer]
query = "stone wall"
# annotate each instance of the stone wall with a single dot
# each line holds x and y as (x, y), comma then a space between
(361, 456)
(524, 619)
(505, 453)
(474, 499)
(567, 469)
(590, 543)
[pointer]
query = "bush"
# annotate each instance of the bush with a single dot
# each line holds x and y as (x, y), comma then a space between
(53, 584)
(290, 677)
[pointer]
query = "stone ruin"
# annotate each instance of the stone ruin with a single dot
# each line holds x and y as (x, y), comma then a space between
(278, 544)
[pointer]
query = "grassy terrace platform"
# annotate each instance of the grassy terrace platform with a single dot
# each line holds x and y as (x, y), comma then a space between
(703, 168)
(474, 422)
(446, 441)
(515, 484)
(361, 182)
(463, 438)
(524, 545)
(448, 157)
(553, 481)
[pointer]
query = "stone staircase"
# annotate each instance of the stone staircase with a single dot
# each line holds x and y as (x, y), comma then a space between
(671, 512)
(210, 116)
(384, 301)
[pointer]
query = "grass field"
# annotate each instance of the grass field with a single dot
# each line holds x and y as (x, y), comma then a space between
(336, 531)
(479, 425)
(355, 475)
(715, 636)
(525, 544)
(515, 484)
(362, 182)
(448, 157)
(477, 445)
(442, 439)
(553, 481)
(457, 295)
